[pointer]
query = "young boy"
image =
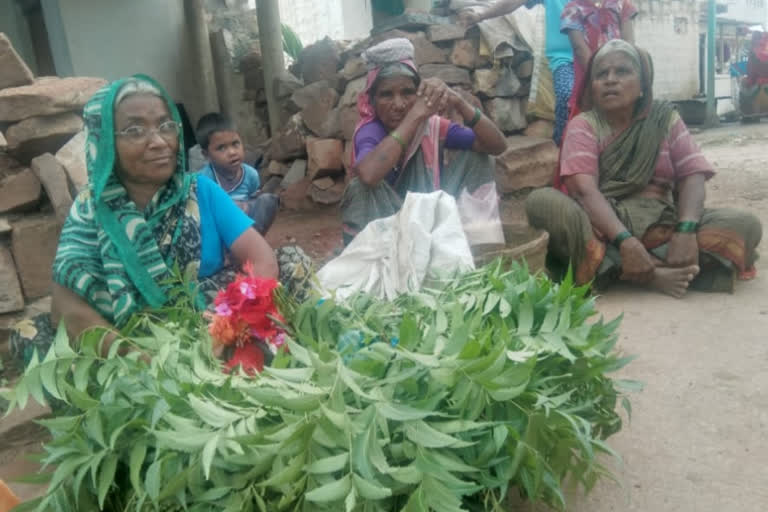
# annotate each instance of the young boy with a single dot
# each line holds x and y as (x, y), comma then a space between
(222, 146)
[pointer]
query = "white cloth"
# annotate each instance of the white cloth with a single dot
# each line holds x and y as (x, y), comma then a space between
(504, 35)
(394, 255)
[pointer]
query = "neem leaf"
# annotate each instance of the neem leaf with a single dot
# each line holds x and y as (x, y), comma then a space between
(329, 464)
(209, 450)
(369, 490)
(423, 435)
(135, 461)
(106, 477)
(333, 491)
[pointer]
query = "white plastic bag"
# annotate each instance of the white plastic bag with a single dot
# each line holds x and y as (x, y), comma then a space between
(480, 215)
(395, 254)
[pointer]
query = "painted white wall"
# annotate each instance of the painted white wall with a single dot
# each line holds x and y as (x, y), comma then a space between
(14, 25)
(313, 20)
(116, 38)
(669, 30)
(752, 12)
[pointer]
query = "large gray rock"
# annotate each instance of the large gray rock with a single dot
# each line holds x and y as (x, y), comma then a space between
(354, 68)
(14, 70)
(424, 52)
(449, 74)
(286, 84)
(353, 90)
(47, 96)
(507, 113)
(411, 21)
(465, 53)
(19, 192)
(54, 179)
(317, 102)
(528, 162)
(3, 142)
(320, 61)
(325, 157)
(349, 117)
(42, 134)
(34, 243)
(493, 83)
(445, 32)
(72, 157)
(11, 298)
(296, 173)
(290, 142)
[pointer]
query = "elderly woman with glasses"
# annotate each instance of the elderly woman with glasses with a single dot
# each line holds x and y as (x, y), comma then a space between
(141, 216)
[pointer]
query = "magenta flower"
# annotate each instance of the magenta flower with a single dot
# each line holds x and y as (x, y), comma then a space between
(223, 309)
(247, 290)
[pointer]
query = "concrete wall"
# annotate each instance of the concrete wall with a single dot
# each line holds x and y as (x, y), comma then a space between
(752, 12)
(313, 20)
(115, 38)
(669, 30)
(14, 25)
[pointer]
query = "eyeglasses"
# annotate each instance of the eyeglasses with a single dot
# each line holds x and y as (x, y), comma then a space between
(169, 131)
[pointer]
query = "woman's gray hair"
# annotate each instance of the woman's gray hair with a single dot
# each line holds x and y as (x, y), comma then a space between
(619, 45)
(136, 86)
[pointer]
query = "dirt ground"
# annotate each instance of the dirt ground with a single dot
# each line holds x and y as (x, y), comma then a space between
(698, 437)
(697, 441)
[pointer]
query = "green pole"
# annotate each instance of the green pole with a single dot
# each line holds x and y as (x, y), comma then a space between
(712, 119)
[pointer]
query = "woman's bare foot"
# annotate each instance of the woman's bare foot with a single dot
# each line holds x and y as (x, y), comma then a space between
(673, 281)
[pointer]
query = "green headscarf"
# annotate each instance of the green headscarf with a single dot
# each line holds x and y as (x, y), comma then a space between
(110, 253)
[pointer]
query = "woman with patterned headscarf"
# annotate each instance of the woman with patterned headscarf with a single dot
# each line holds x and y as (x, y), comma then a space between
(141, 216)
(400, 142)
(631, 205)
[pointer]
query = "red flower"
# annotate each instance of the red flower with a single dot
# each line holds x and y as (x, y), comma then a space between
(249, 357)
(244, 311)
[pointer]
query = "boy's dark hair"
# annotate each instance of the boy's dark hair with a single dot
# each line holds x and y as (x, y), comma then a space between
(209, 124)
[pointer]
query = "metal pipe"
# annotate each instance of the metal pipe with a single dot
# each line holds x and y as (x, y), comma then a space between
(712, 119)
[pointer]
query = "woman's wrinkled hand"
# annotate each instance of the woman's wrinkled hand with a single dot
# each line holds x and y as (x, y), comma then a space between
(421, 110)
(636, 264)
(437, 94)
(683, 250)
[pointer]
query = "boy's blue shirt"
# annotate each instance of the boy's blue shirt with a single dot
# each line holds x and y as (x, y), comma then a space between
(248, 185)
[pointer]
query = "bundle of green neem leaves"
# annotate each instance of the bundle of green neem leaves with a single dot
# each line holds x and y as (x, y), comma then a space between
(443, 400)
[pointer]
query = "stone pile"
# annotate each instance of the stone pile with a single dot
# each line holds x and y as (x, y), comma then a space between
(309, 158)
(42, 167)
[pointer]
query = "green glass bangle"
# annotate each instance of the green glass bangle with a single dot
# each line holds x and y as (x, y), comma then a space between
(399, 139)
(687, 226)
(620, 238)
(475, 119)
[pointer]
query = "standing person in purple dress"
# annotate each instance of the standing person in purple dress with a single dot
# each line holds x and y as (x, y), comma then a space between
(402, 144)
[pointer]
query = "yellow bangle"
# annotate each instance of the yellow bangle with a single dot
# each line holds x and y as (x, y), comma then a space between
(399, 139)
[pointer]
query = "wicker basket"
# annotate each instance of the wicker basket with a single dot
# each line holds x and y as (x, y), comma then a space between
(522, 243)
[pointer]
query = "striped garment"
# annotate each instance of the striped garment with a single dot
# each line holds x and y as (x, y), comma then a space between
(111, 254)
(589, 135)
